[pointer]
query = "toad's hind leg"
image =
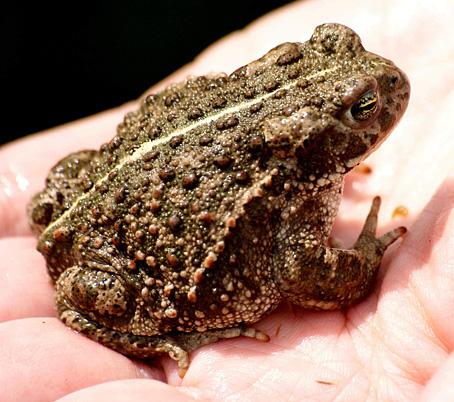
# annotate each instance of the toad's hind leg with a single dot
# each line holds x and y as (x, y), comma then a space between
(90, 301)
(138, 346)
(101, 306)
(176, 346)
(97, 304)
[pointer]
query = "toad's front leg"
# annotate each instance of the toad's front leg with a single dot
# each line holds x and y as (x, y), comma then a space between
(329, 278)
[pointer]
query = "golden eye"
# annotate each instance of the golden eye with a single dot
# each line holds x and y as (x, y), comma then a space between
(365, 107)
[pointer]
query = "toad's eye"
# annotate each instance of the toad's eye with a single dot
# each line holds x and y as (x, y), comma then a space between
(364, 107)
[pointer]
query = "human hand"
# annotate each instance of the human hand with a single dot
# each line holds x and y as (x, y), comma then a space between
(396, 345)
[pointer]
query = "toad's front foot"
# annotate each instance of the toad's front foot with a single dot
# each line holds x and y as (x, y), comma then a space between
(370, 247)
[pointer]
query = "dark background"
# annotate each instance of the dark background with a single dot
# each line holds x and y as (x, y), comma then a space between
(62, 61)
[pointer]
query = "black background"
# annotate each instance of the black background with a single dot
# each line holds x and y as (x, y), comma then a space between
(62, 61)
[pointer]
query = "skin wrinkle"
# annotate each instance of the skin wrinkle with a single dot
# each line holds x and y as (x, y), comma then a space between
(393, 356)
(253, 385)
(398, 360)
(436, 338)
(346, 390)
(294, 389)
(361, 367)
(365, 367)
(359, 364)
(309, 358)
(242, 390)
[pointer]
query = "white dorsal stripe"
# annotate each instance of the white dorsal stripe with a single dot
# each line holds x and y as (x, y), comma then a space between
(147, 146)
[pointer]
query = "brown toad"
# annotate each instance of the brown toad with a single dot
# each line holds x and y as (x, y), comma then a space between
(215, 199)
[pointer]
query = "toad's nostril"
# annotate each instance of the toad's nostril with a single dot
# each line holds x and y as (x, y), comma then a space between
(393, 79)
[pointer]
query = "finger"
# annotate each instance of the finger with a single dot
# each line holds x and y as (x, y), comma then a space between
(55, 361)
(25, 288)
(24, 164)
(132, 390)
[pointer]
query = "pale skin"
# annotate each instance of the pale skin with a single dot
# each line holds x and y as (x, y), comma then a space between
(397, 345)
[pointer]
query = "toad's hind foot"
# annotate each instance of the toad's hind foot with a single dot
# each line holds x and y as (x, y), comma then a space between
(177, 346)
(194, 340)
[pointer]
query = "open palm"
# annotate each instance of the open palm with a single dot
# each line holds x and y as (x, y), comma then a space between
(397, 345)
